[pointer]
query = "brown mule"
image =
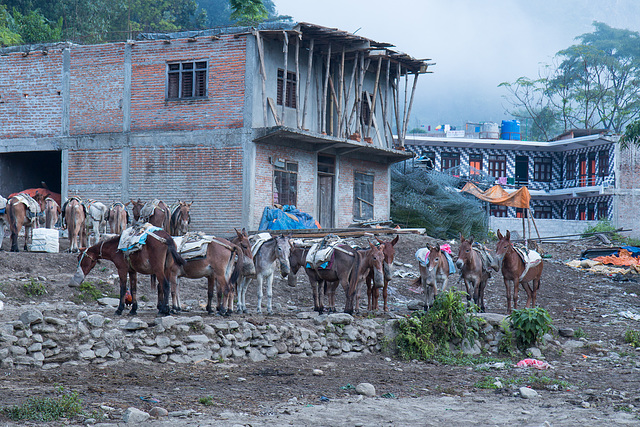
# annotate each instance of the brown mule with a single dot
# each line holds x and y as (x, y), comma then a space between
(513, 271)
(180, 219)
(117, 217)
(17, 217)
(373, 293)
(158, 256)
(474, 274)
(159, 217)
(75, 217)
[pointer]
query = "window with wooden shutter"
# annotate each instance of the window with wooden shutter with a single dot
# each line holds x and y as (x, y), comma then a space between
(187, 80)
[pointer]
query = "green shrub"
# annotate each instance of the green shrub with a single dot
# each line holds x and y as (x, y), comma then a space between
(602, 226)
(67, 405)
(206, 401)
(424, 335)
(632, 337)
(530, 324)
(34, 288)
(88, 292)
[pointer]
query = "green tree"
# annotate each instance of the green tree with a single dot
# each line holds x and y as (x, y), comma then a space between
(35, 28)
(593, 85)
(8, 35)
(248, 11)
(631, 136)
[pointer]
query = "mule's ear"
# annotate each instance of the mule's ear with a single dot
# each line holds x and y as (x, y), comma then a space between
(189, 204)
(395, 240)
(471, 239)
(461, 237)
(244, 232)
(372, 245)
(499, 234)
(508, 235)
(237, 232)
(379, 241)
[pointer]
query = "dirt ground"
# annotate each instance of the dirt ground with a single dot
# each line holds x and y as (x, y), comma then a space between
(603, 377)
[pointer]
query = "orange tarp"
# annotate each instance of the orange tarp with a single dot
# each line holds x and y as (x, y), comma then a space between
(498, 196)
(623, 258)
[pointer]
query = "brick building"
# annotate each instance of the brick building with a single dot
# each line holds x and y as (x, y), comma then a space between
(234, 119)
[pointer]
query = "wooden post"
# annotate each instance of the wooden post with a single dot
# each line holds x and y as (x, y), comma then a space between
(264, 77)
(404, 107)
(308, 83)
(406, 120)
(358, 95)
(284, 74)
(536, 227)
(396, 102)
(346, 119)
(340, 90)
(324, 92)
(386, 105)
(298, 40)
(375, 95)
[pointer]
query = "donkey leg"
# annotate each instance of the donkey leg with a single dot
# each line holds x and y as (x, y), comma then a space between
(211, 285)
(269, 293)
(385, 295)
(133, 288)
(123, 292)
(516, 289)
(259, 279)
(508, 290)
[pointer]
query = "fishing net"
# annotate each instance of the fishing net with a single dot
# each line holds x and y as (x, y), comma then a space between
(432, 200)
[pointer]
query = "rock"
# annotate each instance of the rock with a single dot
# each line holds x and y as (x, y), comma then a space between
(534, 352)
(493, 319)
(134, 416)
(415, 304)
(111, 302)
(135, 324)
(318, 372)
(571, 344)
(55, 321)
(340, 318)
(528, 393)
(566, 332)
(366, 389)
(95, 320)
(471, 350)
(31, 316)
(158, 412)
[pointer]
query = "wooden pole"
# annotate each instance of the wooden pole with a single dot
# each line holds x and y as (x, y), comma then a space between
(264, 78)
(324, 92)
(535, 226)
(358, 95)
(284, 76)
(375, 95)
(308, 83)
(386, 106)
(396, 102)
(406, 121)
(347, 124)
(298, 40)
(404, 107)
(340, 90)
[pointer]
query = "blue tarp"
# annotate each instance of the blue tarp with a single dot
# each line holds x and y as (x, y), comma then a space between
(277, 219)
(635, 251)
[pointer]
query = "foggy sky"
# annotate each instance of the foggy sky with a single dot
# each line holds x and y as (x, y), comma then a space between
(476, 44)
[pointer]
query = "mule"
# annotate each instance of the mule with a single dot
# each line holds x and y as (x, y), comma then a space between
(180, 219)
(514, 271)
(348, 268)
(435, 272)
(473, 270)
(75, 217)
(51, 212)
(275, 249)
(248, 269)
(373, 293)
(117, 217)
(96, 216)
(297, 259)
(222, 265)
(157, 256)
(159, 215)
(18, 216)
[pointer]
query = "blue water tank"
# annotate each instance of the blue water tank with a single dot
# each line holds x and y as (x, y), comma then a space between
(510, 130)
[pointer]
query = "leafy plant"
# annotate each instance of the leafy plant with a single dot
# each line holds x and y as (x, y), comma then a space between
(34, 288)
(602, 226)
(505, 345)
(88, 292)
(580, 333)
(632, 337)
(530, 324)
(423, 335)
(66, 405)
(206, 401)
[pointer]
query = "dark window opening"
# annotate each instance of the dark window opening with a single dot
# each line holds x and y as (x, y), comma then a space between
(582, 213)
(475, 164)
(571, 167)
(603, 163)
(542, 169)
(543, 212)
(570, 212)
(497, 166)
(522, 213)
(591, 211)
(365, 109)
(450, 160)
(285, 184)
(498, 210)
(362, 196)
(187, 80)
(290, 90)
(602, 210)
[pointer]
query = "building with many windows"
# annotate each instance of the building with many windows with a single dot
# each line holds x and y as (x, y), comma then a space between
(233, 119)
(579, 177)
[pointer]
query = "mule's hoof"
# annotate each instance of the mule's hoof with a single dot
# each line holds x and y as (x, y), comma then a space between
(118, 312)
(133, 313)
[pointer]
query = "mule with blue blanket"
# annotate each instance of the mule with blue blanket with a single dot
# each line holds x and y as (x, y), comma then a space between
(435, 267)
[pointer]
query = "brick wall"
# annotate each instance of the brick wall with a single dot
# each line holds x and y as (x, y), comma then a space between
(30, 95)
(210, 177)
(222, 109)
(96, 174)
(263, 194)
(96, 80)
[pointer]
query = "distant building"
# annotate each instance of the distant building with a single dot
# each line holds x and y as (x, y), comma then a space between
(579, 177)
(233, 119)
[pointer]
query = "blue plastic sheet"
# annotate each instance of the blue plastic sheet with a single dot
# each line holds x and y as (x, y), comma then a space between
(277, 219)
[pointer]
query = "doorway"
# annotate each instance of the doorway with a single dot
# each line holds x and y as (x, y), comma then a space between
(522, 170)
(326, 178)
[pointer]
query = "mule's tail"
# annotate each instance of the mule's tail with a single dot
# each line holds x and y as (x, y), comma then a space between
(171, 245)
(13, 221)
(237, 266)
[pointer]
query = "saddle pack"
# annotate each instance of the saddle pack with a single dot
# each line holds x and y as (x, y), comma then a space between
(422, 256)
(529, 257)
(485, 255)
(3, 205)
(135, 237)
(32, 206)
(320, 254)
(258, 240)
(193, 244)
(148, 208)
